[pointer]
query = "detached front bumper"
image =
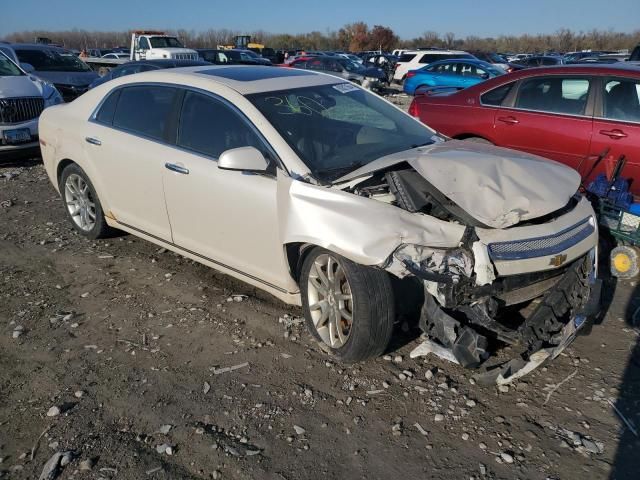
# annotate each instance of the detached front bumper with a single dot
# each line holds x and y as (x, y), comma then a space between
(472, 322)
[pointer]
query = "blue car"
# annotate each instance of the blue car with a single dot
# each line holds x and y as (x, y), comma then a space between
(456, 73)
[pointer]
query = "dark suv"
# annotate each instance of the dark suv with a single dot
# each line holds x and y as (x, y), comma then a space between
(70, 75)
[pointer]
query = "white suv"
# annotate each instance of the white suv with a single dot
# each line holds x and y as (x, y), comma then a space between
(22, 99)
(414, 59)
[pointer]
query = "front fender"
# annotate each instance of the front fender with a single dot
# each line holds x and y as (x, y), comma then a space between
(363, 230)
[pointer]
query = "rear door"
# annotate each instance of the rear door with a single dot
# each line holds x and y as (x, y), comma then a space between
(616, 126)
(551, 116)
(126, 146)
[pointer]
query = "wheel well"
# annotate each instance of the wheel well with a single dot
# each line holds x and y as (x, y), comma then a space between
(296, 253)
(464, 136)
(61, 166)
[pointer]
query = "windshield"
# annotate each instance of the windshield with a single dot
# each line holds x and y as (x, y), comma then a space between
(8, 68)
(351, 66)
(165, 42)
(249, 54)
(51, 61)
(336, 129)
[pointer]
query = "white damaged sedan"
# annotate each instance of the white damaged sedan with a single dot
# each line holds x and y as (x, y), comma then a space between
(329, 197)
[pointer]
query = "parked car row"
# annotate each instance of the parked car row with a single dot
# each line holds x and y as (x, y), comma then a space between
(569, 113)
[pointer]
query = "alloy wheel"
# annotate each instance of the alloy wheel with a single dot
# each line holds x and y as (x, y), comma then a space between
(330, 301)
(79, 200)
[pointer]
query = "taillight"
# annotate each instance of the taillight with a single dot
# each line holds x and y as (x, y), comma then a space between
(411, 73)
(413, 109)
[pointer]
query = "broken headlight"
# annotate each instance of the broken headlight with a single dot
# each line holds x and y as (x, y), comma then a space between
(436, 264)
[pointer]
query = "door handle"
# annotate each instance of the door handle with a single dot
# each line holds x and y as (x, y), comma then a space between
(93, 141)
(615, 134)
(176, 168)
(509, 120)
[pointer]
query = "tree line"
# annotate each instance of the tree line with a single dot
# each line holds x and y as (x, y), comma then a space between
(355, 37)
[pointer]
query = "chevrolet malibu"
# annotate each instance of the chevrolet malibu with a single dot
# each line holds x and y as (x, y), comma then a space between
(331, 198)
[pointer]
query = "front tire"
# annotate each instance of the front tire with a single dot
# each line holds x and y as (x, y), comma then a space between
(82, 204)
(478, 140)
(348, 307)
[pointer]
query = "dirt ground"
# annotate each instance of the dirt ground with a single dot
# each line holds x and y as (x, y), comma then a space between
(117, 351)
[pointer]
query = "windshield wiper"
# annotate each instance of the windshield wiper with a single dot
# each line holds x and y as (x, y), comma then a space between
(338, 171)
(418, 145)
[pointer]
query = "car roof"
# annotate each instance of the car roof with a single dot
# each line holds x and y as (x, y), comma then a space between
(473, 61)
(444, 52)
(586, 69)
(244, 79)
(36, 46)
(160, 62)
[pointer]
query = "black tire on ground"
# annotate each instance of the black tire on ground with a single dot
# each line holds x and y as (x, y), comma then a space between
(478, 140)
(100, 229)
(373, 308)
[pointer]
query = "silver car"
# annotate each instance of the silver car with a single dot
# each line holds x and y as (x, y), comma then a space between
(329, 197)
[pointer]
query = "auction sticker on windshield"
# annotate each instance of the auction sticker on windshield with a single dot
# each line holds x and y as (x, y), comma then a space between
(345, 87)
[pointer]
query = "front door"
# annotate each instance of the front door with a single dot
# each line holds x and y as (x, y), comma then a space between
(550, 118)
(617, 127)
(228, 217)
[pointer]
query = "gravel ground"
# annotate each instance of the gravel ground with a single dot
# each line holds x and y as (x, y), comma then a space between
(131, 362)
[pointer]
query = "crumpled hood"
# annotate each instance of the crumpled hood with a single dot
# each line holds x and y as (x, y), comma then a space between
(76, 79)
(19, 86)
(496, 186)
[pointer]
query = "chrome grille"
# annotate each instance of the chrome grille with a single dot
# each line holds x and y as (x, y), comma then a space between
(542, 246)
(18, 110)
(185, 56)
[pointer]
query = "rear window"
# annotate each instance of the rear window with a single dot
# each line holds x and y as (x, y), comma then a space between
(434, 57)
(144, 110)
(406, 57)
(497, 95)
(108, 108)
(554, 94)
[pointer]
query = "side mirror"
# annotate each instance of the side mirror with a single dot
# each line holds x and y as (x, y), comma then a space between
(245, 159)
(27, 67)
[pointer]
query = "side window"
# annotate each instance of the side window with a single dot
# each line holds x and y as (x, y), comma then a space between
(496, 96)
(108, 108)
(621, 100)
(315, 65)
(333, 66)
(144, 110)
(143, 44)
(209, 127)
(467, 70)
(554, 94)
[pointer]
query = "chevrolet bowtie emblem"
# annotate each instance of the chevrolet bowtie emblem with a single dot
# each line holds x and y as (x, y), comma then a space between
(558, 260)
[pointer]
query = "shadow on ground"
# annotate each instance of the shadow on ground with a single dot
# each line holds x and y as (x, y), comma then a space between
(627, 459)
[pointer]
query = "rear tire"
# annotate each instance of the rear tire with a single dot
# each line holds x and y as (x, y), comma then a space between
(82, 204)
(348, 307)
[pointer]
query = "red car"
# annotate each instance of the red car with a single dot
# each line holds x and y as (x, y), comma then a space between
(568, 113)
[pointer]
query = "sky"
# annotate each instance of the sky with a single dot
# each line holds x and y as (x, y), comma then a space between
(408, 18)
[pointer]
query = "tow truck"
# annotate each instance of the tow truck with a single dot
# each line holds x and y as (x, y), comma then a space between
(145, 45)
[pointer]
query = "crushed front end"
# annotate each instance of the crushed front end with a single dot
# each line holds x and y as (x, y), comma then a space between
(531, 287)
(522, 273)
